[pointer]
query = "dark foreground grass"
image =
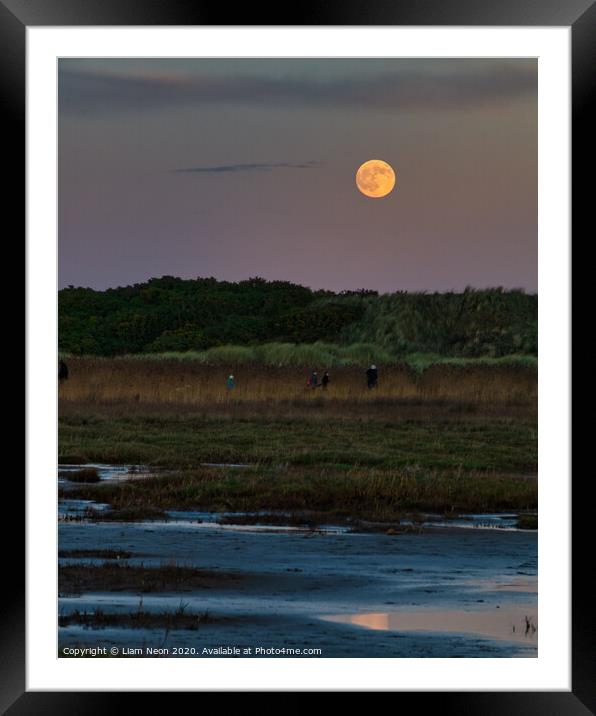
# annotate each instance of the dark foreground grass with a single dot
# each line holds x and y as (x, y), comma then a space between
(110, 577)
(85, 474)
(527, 522)
(382, 495)
(178, 619)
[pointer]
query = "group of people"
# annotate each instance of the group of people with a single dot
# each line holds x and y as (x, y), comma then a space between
(313, 381)
(372, 379)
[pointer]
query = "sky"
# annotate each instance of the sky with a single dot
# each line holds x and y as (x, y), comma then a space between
(236, 168)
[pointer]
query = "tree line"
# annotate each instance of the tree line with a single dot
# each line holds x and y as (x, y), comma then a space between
(171, 314)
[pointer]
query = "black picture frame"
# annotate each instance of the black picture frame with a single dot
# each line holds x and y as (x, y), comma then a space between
(580, 15)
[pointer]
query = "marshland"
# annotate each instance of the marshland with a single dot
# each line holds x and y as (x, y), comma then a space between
(284, 507)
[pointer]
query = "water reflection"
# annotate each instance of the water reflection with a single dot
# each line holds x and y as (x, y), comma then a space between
(504, 624)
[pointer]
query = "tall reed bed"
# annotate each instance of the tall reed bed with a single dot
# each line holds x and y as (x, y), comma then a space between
(192, 382)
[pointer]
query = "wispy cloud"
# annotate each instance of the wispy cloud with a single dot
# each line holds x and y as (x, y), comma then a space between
(425, 87)
(262, 167)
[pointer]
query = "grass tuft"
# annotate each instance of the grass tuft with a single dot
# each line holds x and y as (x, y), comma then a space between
(86, 474)
(112, 577)
(98, 619)
(527, 522)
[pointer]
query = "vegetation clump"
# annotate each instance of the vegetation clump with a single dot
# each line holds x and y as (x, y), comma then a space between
(113, 577)
(141, 619)
(85, 474)
(527, 522)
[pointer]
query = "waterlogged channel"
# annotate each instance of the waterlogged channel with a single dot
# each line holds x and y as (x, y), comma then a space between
(463, 588)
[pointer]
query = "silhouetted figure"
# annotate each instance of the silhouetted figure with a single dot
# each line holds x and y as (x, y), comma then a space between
(372, 377)
(62, 371)
(325, 380)
(313, 381)
(231, 382)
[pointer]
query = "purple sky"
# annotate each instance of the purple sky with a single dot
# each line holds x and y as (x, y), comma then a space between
(238, 168)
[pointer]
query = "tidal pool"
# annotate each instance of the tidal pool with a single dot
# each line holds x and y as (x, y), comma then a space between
(321, 588)
(451, 591)
(511, 624)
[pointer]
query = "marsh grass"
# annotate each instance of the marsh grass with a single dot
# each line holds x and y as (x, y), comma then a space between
(323, 495)
(86, 474)
(112, 577)
(185, 441)
(441, 437)
(147, 381)
(99, 619)
(527, 522)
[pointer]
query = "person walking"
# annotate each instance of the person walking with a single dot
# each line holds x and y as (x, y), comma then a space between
(313, 381)
(325, 380)
(231, 382)
(62, 371)
(372, 377)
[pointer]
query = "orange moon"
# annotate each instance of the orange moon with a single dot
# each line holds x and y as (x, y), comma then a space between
(375, 178)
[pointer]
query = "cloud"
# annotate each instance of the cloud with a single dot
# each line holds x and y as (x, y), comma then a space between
(263, 167)
(450, 84)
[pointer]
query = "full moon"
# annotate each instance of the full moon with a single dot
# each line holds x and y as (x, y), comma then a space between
(375, 178)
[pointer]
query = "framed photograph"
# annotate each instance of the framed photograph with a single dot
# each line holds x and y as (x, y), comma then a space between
(288, 275)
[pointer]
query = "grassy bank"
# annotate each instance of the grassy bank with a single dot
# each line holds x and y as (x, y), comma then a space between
(186, 441)
(365, 493)
(178, 619)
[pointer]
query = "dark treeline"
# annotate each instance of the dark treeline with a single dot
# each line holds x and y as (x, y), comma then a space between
(171, 314)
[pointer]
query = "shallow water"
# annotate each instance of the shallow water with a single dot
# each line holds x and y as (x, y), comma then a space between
(443, 593)
(519, 625)
(127, 472)
(105, 472)
(300, 579)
